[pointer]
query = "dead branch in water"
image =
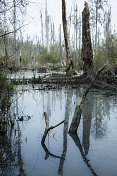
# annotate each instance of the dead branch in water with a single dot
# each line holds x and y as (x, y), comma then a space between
(78, 111)
(47, 129)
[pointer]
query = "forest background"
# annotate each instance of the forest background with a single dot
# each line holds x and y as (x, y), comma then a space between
(34, 36)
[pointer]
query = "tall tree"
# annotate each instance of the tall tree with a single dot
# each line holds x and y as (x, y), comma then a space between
(69, 62)
(5, 37)
(60, 46)
(87, 52)
(107, 24)
(42, 37)
(47, 27)
(14, 28)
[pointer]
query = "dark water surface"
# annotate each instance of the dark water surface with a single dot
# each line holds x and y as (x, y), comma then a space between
(92, 152)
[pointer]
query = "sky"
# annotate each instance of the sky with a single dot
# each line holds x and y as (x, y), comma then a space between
(33, 21)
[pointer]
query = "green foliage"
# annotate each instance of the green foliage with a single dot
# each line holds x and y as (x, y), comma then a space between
(51, 57)
(78, 63)
(107, 52)
(4, 84)
(25, 59)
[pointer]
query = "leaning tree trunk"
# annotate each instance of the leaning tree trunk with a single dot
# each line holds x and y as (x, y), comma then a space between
(78, 111)
(70, 65)
(87, 52)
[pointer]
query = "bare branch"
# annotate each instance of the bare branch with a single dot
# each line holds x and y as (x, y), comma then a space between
(7, 33)
(48, 129)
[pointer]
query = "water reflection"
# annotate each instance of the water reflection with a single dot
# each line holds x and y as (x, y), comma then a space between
(101, 115)
(11, 162)
(21, 152)
(65, 130)
(87, 116)
(78, 144)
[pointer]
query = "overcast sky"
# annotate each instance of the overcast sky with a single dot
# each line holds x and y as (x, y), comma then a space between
(54, 10)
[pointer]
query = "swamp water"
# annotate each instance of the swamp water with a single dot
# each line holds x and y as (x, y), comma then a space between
(92, 152)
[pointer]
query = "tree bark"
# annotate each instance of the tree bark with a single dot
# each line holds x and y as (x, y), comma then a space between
(70, 65)
(87, 52)
(78, 111)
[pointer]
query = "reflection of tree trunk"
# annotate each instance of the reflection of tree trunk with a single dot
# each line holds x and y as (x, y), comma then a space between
(67, 114)
(60, 170)
(78, 144)
(19, 156)
(20, 161)
(87, 115)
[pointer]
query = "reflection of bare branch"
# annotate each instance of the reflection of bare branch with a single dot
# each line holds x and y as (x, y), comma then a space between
(47, 129)
(78, 144)
(48, 152)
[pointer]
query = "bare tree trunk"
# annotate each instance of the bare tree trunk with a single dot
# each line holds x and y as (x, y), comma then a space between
(60, 47)
(6, 51)
(78, 111)
(76, 27)
(87, 53)
(47, 28)
(70, 65)
(47, 129)
(96, 27)
(79, 38)
(53, 38)
(42, 39)
(14, 28)
(5, 37)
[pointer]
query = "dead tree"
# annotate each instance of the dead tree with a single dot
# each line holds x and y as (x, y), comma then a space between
(47, 28)
(87, 52)
(70, 65)
(47, 129)
(78, 111)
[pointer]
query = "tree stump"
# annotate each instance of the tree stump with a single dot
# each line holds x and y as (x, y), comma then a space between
(87, 52)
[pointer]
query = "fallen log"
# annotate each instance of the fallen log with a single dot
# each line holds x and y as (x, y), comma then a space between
(78, 111)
